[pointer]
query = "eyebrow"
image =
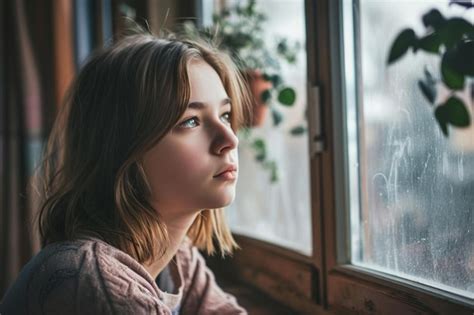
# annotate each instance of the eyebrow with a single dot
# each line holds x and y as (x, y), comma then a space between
(201, 105)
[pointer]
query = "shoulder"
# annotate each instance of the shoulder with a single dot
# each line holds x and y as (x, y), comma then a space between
(201, 293)
(88, 275)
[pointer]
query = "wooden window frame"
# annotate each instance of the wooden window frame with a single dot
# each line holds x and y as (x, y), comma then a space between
(325, 283)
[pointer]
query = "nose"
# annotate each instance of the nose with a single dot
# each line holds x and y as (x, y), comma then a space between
(224, 140)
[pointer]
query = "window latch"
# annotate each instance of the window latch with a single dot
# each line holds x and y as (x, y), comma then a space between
(317, 138)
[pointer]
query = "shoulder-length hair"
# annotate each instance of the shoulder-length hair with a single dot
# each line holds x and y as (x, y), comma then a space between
(123, 101)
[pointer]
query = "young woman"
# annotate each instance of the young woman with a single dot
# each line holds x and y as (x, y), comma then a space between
(140, 163)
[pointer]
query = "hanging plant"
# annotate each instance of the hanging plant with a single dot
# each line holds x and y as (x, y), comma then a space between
(452, 39)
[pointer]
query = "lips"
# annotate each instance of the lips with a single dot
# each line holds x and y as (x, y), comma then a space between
(227, 168)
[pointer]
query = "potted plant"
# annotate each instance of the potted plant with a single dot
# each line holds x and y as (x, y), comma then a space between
(238, 30)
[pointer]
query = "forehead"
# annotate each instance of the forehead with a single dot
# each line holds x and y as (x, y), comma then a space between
(205, 83)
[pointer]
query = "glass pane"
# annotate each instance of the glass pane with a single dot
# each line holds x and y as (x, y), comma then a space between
(412, 189)
(278, 210)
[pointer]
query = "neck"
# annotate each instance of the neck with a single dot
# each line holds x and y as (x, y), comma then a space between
(177, 228)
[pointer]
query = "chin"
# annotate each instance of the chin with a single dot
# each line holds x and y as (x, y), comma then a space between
(222, 200)
(219, 196)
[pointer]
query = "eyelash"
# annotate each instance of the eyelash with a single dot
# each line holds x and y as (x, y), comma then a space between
(195, 118)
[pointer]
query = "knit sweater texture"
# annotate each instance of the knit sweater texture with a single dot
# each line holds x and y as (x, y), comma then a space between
(89, 276)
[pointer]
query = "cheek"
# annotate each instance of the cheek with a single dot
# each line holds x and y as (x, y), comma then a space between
(176, 164)
(188, 165)
(189, 159)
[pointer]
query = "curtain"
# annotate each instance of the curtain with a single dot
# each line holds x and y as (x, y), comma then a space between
(22, 117)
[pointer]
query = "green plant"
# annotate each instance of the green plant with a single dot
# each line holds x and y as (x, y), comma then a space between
(239, 30)
(453, 40)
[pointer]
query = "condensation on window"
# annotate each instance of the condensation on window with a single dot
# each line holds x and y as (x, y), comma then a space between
(412, 189)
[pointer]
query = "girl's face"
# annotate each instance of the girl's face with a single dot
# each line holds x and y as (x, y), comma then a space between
(182, 167)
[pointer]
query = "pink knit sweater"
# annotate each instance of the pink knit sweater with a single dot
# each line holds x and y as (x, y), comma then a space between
(89, 276)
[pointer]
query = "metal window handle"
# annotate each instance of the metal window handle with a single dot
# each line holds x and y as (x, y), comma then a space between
(317, 143)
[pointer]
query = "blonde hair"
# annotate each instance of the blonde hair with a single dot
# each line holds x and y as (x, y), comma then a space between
(123, 101)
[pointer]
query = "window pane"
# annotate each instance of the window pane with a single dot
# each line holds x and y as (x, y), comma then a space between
(279, 211)
(412, 189)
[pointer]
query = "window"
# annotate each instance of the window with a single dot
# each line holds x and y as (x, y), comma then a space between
(277, 211)
(411, 188)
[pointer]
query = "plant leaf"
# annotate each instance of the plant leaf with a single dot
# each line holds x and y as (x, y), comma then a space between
(266, 96)
(451, 77)
(429, 77)
(287, 96)
(430, 43)
(464, 3)
(453, 112)
(404, 40)
(298, 130)
(276, 80)
(277, 117)
(259, 144)
(457, 112)
(428, 90)
(465, 58)
(260, 157)
(244, 132)
(433, 19)
(266, 76)
(454, 30)
(272, 167)
(440, 115)
(274, 177)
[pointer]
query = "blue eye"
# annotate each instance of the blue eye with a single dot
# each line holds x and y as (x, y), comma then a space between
(185, 124)
(229, 114)
(193, 121)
